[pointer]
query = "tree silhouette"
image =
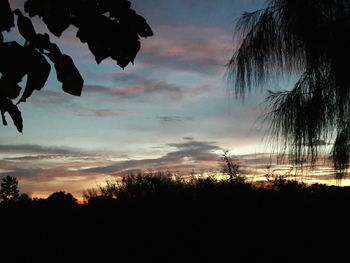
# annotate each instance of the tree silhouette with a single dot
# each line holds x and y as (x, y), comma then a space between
(109, 27)
(309, 38)
(9, 189)
(61, 199)
(231, 168)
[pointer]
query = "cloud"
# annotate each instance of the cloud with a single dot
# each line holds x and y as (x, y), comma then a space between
(42, 162)
(68, 102)
(23, 172)
(124, 87)
(98, 113)
(34, 157)
(137, 89)
(190, 154)
(52, 97)
(205, 51)
(173, 119)
(38, 149)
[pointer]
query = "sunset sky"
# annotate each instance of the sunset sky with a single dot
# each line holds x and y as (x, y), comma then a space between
(172, 110)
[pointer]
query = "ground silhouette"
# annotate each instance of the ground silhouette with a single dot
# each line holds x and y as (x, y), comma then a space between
(160, 217)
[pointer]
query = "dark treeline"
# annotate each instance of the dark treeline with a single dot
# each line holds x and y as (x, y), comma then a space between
(161, 217)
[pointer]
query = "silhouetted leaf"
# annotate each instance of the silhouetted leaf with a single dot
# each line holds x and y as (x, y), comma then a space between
(99, 51)
(69, 75)
(87, 8)
(123, 62)
(34, 7)
(42, 41)
(133, 50)
(97, 32)
(143, 29)
(9, 88)
(118, 8)
(82, 34)
(57, 24)
(55, 14)
(25, 26)
(13, 61)
(3, 118)
(38, 73)
(6, 105)
(6, 16)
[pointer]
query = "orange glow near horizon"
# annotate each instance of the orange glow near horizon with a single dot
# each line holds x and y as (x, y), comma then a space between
(256, 177)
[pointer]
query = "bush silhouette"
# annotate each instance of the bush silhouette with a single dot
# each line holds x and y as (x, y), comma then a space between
(61, 199)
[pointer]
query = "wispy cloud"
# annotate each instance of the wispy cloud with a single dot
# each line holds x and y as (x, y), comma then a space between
(138, 88)
(147, 90)
(69, 103)
(173, 119)
(189, 48)
(189, 154)
(38, 149)
(98, 113)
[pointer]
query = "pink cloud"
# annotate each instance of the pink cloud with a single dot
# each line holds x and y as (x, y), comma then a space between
(190, 43)
(98, 113)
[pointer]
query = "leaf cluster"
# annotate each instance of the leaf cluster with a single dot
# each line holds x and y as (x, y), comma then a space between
(109, 27)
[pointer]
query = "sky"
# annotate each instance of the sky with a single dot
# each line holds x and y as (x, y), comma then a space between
(172, 110)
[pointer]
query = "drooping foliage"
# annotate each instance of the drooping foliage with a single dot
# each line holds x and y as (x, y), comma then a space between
(109, 27)
(309, 39)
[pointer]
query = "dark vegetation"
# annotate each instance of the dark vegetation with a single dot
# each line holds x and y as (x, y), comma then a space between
(161, 216)
(309, 39)
(110, 28)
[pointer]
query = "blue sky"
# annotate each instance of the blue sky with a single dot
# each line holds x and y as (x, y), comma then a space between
(172, 110)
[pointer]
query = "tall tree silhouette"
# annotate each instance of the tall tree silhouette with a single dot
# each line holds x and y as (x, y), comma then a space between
(109, 27)
(310, 38)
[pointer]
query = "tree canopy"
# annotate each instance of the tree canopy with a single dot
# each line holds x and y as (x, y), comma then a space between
(309, 38)
(109, 27)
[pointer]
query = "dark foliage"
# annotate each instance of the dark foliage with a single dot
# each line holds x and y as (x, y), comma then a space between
(109, 27)
(309, 38)
(61, 199)
(231, 168)
(172, 220)
(9, 189)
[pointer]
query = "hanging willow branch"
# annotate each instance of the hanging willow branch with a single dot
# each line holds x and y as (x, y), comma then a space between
(310, 38)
